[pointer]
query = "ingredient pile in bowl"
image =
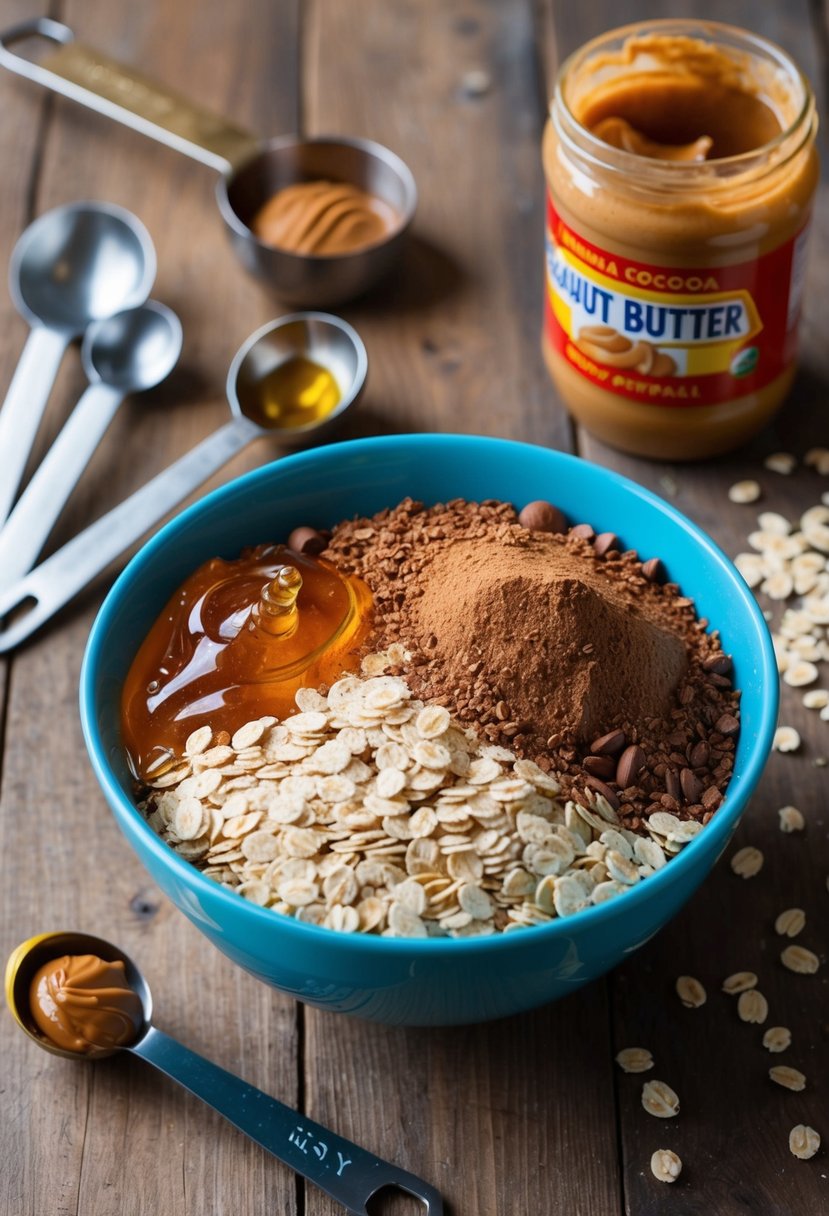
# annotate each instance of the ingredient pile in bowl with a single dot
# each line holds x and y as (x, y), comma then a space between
(505, 720)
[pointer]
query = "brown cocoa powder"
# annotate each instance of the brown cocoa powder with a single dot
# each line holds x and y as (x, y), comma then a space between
(545, 641)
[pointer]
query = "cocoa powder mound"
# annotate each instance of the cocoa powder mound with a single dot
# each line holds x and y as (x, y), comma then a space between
(580, 644)
(557, 646)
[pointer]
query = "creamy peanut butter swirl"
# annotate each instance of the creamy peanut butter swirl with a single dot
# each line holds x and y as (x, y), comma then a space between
(620, 134)
(323, 218)
(82, 1003)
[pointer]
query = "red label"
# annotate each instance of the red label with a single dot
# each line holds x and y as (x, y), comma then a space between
(670, 335)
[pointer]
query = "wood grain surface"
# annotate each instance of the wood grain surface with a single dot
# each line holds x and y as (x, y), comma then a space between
(513, 1118)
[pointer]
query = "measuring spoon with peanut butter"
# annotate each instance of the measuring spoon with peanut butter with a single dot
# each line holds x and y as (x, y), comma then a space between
(80, 996)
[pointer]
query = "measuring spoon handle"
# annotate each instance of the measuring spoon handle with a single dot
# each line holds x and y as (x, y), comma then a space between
(128, 97)
(347, 1173)
(55, 581)
(42, 501)
(23, 408)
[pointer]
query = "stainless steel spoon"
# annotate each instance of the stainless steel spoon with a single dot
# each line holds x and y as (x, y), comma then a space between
(325, 339)
(72, 266)
(347, 1173)
(128, 353)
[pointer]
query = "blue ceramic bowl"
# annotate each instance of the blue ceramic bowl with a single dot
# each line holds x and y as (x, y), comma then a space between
(424, 982)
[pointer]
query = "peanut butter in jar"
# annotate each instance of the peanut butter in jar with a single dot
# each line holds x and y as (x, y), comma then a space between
(681, 168)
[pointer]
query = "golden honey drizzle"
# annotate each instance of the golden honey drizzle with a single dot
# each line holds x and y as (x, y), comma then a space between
(235, 643)
(293, 394)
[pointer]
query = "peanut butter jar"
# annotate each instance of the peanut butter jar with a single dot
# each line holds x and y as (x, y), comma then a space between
(681, 167)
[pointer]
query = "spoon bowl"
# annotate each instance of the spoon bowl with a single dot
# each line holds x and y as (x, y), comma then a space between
(321, 337)
(72, 266)
(31, 955)
(135, 349)
(80, 263)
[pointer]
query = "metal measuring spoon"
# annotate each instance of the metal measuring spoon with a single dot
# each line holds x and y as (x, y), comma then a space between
(347, 1173)
(72, 266)
(326, 339)
(128, 353)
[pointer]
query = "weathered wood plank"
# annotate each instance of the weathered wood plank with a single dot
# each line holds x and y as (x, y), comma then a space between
(517, 1116)
(733, 1128)
(114, 1138)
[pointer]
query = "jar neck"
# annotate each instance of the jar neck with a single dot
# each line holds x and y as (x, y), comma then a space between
(753, 59)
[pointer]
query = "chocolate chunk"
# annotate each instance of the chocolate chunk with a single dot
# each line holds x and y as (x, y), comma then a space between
(719, 664)
(582, 530)
(672, 786)
(727, 725)
(603, 767)
(604, 542)
(631, 763)
(691, 785)
(541, 516)
(700, 755)
(711, 799)
(653, 570)
(610, 744)
(306, 540)
(594, 783)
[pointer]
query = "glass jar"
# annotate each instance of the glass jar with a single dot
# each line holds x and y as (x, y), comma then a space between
(673, 286)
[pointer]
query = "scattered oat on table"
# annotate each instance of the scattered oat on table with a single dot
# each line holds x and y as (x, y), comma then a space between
(666, 1165)
(781, 462)
(660, 1100)
(791, 819)
(804, 1141)
(777, 1039)
(747, 862)
(752, 1006)
(739, 982)
(634, 1059)
(788, 1077)
(818, 458)
(690, 991)
(786, 739)
(790, 923)
(744, 491)
(799, 959)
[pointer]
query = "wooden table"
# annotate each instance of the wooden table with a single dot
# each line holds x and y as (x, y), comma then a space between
(524, 1116)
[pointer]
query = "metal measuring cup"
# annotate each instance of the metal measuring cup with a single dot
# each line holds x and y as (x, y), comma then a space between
(252, 170)
(346, 1172)
(325, 339)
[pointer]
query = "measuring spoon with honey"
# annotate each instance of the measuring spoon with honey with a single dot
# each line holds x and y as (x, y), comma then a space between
(291, 381)
(80, 997)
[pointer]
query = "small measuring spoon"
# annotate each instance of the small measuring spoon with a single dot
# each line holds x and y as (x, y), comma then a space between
(326, 339)
(72, 266)
(347, 1173)
(128, 353)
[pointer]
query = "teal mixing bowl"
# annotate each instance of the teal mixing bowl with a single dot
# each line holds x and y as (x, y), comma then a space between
(431, 981)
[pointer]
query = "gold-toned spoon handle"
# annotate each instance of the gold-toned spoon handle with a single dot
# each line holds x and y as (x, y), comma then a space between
(119, 92)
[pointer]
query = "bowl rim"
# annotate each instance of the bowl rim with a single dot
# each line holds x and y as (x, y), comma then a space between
(714, 838)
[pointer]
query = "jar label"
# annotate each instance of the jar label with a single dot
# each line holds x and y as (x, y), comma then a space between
(669, 335)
